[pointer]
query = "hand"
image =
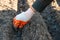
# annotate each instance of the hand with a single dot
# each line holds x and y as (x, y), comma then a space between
(20, 20)
(23, 18)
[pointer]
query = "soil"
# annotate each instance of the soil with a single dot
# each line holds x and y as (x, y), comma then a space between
(42, 26)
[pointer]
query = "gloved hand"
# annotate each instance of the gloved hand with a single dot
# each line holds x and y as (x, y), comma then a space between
(22, 19)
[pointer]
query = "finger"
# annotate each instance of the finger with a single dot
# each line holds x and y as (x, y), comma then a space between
(16, 23)
(22, 24)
